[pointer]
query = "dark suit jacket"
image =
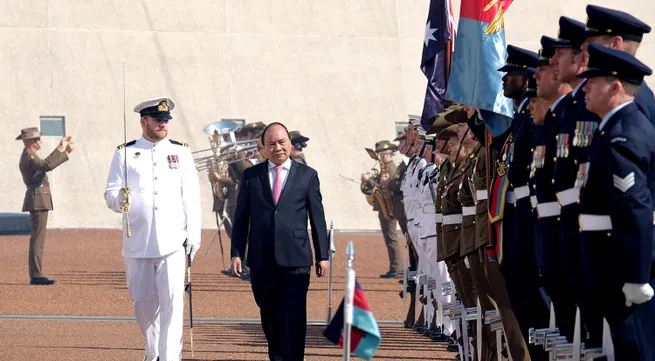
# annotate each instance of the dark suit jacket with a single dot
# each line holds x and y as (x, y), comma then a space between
(33, 169)
(277, 235)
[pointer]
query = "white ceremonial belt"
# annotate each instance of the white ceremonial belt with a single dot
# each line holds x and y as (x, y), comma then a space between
(439, 217)
(568, 196)
(594, 222)
(468, 211)
(452, 219)
(429, 209)
(510, 198)
(533, 201)
(481, 194)
(548, 209)
(522, 192)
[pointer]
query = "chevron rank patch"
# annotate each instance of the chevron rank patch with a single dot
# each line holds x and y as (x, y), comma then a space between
(625, 183)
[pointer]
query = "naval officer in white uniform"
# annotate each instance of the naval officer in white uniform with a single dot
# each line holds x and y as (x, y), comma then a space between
(163, 213)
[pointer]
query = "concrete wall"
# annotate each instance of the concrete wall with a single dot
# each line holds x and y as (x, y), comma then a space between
(341, 71)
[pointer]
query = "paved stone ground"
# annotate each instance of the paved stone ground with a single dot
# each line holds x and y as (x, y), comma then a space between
(90, 278)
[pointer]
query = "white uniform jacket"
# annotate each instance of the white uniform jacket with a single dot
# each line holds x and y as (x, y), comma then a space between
(165, 196)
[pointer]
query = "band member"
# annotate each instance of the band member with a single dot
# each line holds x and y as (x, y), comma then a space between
(38, 198)
(298, 141)
(616, 204)
(384, 150)
(153, 182)
(276, 199)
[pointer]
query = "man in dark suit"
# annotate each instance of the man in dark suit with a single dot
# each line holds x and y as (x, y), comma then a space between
(275, 200)
(38, 198)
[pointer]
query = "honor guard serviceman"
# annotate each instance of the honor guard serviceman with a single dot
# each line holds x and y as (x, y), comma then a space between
(572, 151)
(617, 203)
(38, 198)
(619, 30)
(162, 211)
(477, 180)
(406, 147)
(547, 236)
(509, 200)
(298, 141)
(395, 184)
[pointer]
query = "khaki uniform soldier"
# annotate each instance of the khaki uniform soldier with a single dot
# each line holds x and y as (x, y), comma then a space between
(472, 248)
(384, 150)
(298, 141)
(38, 198)
(478, 183)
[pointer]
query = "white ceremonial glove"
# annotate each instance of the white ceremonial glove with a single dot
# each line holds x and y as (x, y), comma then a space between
(191, 249)
(123, 195)
(466, 262)
(637, 293)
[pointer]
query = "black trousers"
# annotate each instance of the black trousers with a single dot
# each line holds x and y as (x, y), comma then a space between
(281, 294)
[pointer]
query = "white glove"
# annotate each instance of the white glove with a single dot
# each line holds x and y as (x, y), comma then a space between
(466, 262)
(637, 293)
(191, 249)
(122, 198)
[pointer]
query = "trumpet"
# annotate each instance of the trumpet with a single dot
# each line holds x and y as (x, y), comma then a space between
(227, 157)
(234, 143)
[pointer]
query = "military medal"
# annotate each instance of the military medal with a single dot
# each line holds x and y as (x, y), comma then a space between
(576, 137)
(583, 174)
(173, 162)
(563, 145)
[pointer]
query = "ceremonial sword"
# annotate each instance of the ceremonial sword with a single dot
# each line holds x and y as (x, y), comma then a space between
(125, 189)
(188, 289)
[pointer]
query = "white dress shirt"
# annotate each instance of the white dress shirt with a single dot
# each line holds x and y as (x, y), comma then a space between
(164, 201)
(286, 166)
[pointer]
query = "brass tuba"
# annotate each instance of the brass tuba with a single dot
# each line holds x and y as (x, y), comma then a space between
(374, 191)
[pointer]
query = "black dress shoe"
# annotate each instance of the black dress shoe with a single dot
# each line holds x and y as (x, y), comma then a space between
(390, 274)
(42, 281)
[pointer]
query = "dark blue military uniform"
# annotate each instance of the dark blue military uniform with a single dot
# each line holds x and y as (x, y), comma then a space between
(604, 21)
(511, 168)
(547, 234)
(616, 213)
(572, 154)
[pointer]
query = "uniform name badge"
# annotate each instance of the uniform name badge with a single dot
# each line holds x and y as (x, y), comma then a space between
(563, 145)
(173, 161)
(582, 176)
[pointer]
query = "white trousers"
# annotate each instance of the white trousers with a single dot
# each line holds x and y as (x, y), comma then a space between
(156, 288)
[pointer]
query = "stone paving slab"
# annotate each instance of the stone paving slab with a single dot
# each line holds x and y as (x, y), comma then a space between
(90, 278)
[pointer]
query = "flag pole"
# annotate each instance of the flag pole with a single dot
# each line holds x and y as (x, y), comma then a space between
(329, 317)
(348, 300)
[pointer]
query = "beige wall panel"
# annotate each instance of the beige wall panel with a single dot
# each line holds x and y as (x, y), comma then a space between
(149, 15)
(361, 19)
(24, 13)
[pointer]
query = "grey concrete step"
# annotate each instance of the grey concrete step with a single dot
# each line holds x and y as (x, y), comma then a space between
(14, 223)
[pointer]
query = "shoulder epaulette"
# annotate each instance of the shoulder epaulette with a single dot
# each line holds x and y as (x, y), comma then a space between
(126, 144)
(178, 143)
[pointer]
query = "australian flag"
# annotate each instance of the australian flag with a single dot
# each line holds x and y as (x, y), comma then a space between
(364, 334)
(435, 62)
